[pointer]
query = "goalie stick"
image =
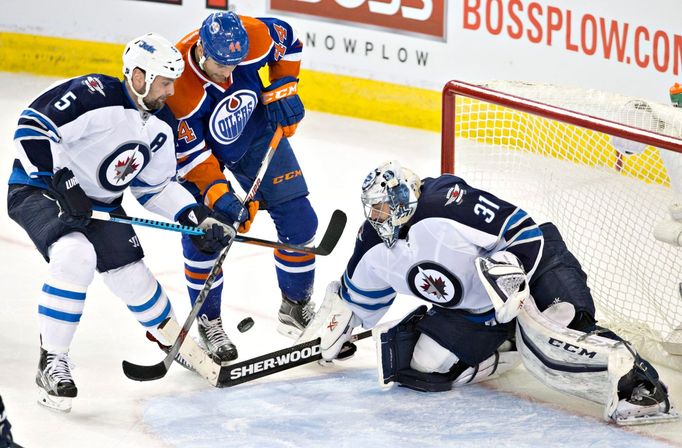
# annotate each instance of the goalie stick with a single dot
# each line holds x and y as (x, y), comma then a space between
(146, 373)
(331, 236)
(278, 361)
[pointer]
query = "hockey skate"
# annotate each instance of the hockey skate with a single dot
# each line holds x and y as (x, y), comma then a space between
(56, 388)
(216, 341)
(643, 398)
(166, 348)
(294, 317)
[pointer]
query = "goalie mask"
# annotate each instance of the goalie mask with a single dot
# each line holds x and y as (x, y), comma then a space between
(389, 197)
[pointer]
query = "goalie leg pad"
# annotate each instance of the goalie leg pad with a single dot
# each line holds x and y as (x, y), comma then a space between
(472, 338)
(431, 357)
(587, 366)
(489, 369)
(395, 344)
(398, 346)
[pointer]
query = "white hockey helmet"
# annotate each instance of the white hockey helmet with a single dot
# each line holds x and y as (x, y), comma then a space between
(398, 188)
(156, 56)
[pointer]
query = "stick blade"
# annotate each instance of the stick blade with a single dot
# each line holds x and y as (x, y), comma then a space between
(337, 223)
(144, 373)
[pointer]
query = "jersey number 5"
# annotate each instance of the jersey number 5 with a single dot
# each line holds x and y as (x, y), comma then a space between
(65, 101)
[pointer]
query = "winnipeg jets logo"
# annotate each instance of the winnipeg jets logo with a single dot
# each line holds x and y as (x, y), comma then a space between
(122, 165)
(124, 168)
(434, 283)
(94, 85)
(433, 286)
(455, 194)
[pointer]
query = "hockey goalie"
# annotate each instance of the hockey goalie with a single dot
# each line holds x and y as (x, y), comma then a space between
(502, 290)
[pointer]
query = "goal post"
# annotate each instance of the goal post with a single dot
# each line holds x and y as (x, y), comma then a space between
(600, 166)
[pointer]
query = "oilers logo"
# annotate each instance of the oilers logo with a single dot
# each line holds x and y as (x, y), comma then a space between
(434, 283)
(120, 167)
(231, 115)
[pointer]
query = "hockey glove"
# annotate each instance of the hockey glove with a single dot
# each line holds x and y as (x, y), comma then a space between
(219, 231)
(282, 104)
(338, 327)
(231, 207)
(505, 281)
(75, 207)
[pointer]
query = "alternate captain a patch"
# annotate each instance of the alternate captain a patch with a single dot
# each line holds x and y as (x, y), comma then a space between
(434, 283)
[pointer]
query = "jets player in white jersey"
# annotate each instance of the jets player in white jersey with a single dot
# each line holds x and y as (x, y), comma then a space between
(80, 144)
(476, 259)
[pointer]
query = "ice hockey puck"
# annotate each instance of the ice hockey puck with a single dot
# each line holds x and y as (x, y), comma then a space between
(245, 325)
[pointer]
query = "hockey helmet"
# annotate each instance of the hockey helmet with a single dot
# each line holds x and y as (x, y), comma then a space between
(156, 56)
(224, 38)
(389, 197)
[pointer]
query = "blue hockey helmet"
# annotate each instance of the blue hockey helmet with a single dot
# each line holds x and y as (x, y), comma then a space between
(224, 38)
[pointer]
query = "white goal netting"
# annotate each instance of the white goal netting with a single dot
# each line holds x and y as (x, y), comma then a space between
(604, 201)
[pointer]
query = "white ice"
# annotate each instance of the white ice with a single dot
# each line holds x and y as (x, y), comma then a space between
(305, 407)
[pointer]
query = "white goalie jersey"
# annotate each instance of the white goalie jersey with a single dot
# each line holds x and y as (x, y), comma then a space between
(90, 125)
(434, 258)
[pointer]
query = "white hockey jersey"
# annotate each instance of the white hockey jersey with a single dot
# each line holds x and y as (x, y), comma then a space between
(434, 258)
(91, 125)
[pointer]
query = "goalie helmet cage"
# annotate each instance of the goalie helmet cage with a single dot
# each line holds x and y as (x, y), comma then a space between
(552, 151)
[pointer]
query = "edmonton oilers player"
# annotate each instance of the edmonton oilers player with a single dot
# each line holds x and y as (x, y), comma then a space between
(80, 144)
(476, 258)
(226, 120)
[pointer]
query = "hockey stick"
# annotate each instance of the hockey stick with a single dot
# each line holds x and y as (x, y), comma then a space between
(146, 373)
(331, 236)
(270, 363)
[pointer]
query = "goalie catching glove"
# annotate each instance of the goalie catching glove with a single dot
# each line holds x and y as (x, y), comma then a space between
(218, 230)
(282, 105)
(505, 282)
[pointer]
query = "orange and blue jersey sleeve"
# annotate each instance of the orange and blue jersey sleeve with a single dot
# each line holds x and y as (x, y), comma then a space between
(190, 105)
(275, 43)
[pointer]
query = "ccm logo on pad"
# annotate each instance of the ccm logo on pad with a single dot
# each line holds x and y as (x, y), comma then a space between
(420, 17)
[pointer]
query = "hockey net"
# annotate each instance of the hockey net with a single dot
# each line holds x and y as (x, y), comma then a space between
(552, 151)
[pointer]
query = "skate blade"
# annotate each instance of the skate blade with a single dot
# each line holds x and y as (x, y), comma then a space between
(61, 404)
(648, 419)
(661, 417)
(288, 331)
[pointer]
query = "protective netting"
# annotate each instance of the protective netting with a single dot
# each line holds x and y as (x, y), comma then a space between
(604, 202)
